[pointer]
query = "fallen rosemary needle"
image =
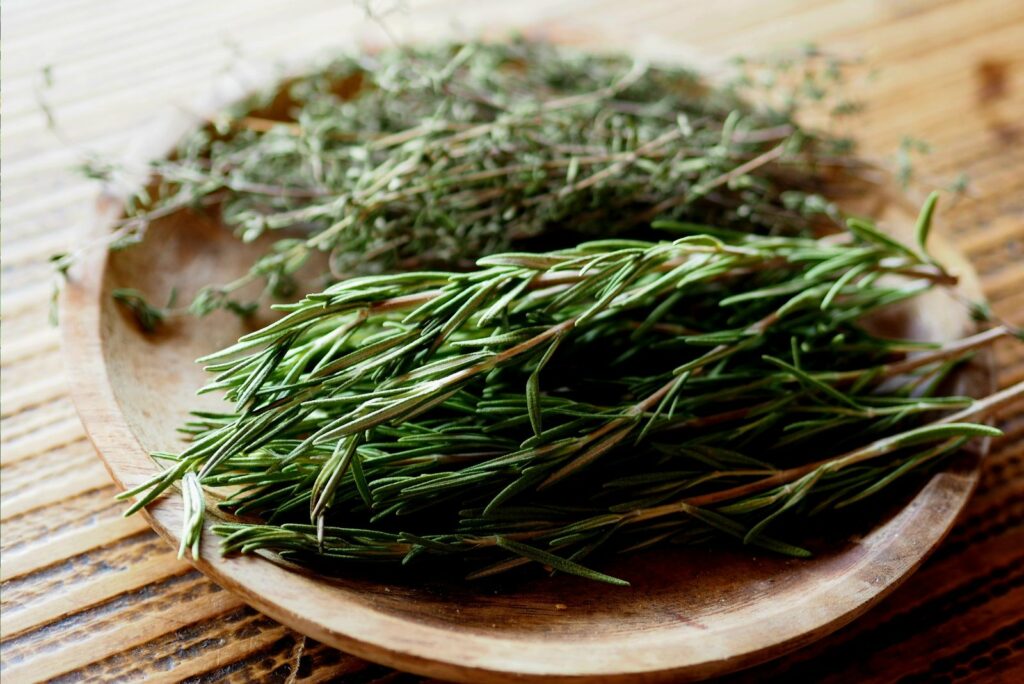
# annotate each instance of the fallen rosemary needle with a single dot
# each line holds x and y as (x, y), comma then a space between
(612, 395)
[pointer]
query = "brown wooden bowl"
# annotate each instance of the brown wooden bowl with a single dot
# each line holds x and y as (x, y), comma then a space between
(689, 614)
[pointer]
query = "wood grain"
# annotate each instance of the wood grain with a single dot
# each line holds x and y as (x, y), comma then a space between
(117, 64)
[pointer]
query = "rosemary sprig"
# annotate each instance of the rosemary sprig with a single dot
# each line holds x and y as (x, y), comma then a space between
(542, 406)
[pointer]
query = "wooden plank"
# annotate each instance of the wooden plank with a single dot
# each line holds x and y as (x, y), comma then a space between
(24, 424)
(86, 509)
(78, 597)
(69, 545)
(92, 477)
(47, 469)
(46, 389)
(27, 300)
(43, 341)
(67, 431)
(97, 633)
(116, 556)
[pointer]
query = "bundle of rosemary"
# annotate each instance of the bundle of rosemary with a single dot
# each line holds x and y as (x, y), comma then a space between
(701, 365)
(547, 404)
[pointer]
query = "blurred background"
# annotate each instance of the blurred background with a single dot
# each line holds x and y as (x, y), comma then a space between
(86, 594)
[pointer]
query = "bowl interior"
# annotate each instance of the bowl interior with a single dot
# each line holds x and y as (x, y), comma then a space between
(689, 613)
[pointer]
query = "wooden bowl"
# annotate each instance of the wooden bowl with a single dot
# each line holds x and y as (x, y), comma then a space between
(690, 613)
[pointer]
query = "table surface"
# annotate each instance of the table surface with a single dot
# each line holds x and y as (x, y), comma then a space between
(86, 594)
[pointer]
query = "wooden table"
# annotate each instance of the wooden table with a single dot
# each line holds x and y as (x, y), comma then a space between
(87, 594)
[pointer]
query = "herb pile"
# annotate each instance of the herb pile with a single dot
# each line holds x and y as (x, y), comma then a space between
(433, 157)
(691, 359)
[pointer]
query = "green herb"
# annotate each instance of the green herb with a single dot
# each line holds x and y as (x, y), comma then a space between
(148, 316)
(544, 406)
(573, 304)
(433, 157)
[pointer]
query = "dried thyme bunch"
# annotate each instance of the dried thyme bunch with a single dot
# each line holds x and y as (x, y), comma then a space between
(542, 406)
(433, 157)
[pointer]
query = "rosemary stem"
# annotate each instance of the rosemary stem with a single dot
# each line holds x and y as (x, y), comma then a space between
(757, 162)
(979, 410)
(947, 351)
(643, 406)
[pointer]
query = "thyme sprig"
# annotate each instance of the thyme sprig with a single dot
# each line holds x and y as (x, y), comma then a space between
(613, 395)
(433, 157)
